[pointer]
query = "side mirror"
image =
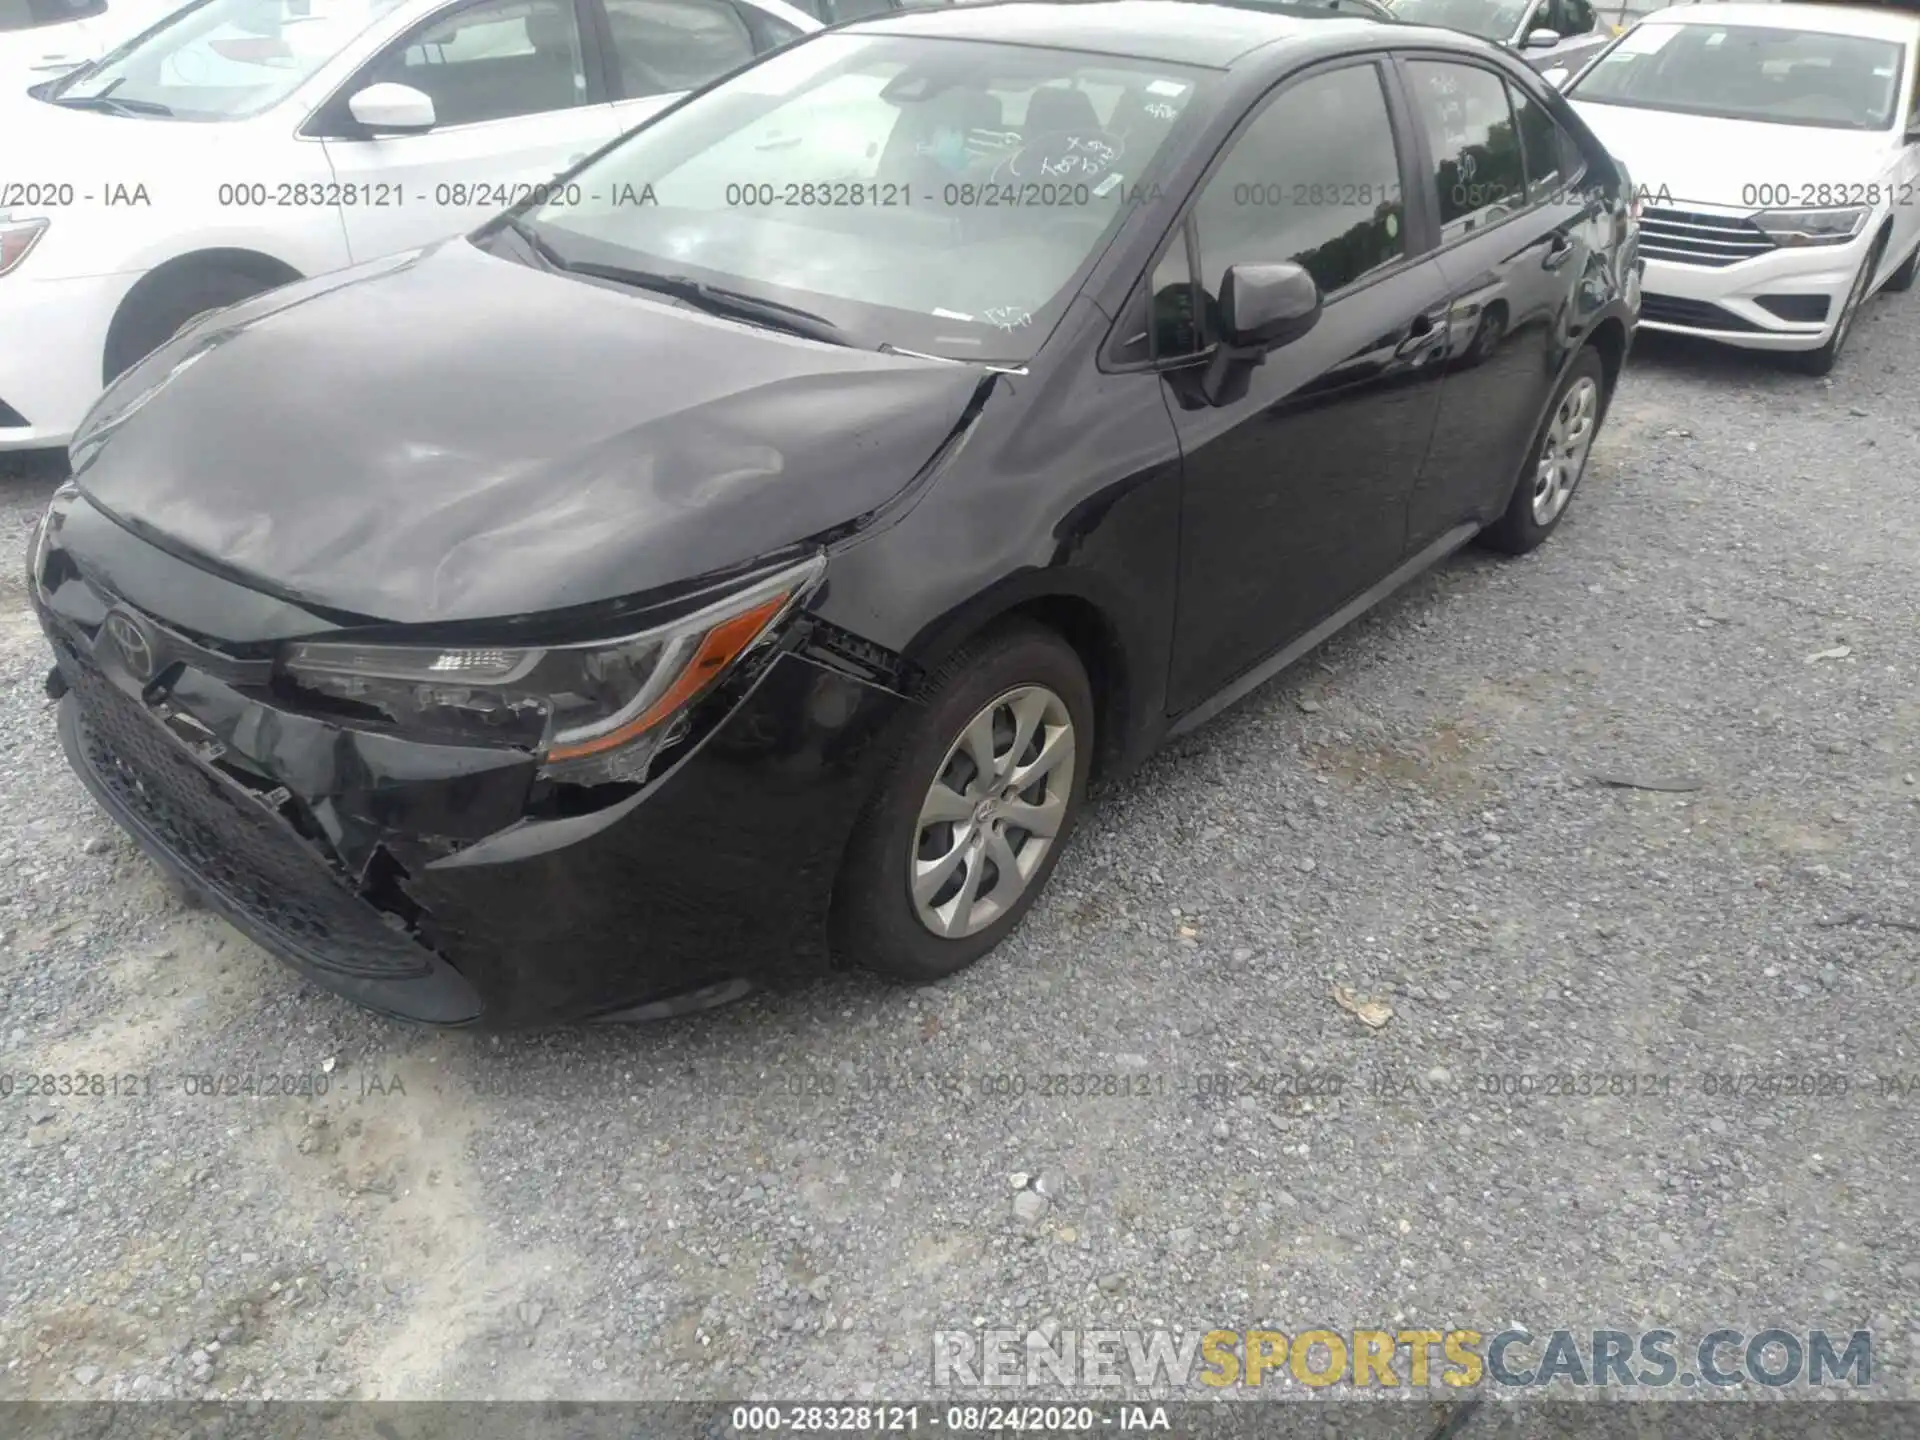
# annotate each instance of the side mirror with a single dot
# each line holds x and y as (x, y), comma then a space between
(391, 109)
(1541, 40)
(1262, 307)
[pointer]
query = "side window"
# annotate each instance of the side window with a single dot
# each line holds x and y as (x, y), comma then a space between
(1573, 160)
(1474, 142)
(835, 12)
(1543, 146)
(1174, 327)
(1576, 17)
(767, 32)
(1315, 179)
(492, 61)
(664, 46)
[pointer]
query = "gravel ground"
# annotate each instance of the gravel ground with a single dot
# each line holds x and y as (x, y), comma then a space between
(766, 1201)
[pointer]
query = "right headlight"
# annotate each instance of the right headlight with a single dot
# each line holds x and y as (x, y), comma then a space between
(1833, 226)
(17, 237)
(594, 713)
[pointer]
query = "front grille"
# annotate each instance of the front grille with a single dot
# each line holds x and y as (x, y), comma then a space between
(1689, 237)
(1694, 314)
(250, 857)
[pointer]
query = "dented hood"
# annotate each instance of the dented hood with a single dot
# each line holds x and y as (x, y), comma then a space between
(451, 436)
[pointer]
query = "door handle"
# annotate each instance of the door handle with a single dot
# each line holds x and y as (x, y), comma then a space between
(1559, 251)
(1420, 333)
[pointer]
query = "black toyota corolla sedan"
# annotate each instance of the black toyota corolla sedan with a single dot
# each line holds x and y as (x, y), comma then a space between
(743, 556)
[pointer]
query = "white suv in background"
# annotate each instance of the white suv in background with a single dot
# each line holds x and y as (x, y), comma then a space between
(244, 144)
(1776, 148)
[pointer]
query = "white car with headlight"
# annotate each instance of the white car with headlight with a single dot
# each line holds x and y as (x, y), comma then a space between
(243, 144)
(1776, 148)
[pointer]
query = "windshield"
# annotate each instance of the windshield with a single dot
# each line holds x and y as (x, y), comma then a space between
(1489, 19)
(224, 59)
(1751, 72)
(940, 195)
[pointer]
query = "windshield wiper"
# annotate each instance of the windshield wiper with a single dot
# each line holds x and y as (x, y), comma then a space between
(710, 298)
(716, 301)
(551, 257)
(110, 104)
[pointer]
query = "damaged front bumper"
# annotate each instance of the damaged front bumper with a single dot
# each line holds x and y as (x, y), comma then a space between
(434, 882)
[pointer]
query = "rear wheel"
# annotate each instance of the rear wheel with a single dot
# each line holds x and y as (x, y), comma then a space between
(1557, 460)
(963, 832)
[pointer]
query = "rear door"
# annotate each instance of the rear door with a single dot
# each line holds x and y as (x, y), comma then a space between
(518, 96)
(1518, 230)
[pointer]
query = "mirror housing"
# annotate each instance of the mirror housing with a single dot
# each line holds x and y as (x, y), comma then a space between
(388, 108)
(1265, 306)
(1541, 39)
(1262, 306)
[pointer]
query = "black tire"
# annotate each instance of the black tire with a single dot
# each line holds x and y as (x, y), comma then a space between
(157, 308)
(1520, 529)
(1902, 279)
(876, 924)
(1822, 361)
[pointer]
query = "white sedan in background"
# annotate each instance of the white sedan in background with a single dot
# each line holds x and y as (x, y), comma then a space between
(40, 39)
(244, 144)
(1777, 151)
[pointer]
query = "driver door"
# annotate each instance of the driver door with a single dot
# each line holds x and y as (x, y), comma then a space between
(1906, 170)
(517, 96)
(1294, 495)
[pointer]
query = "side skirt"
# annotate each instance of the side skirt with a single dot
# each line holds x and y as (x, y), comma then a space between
(1237, 690)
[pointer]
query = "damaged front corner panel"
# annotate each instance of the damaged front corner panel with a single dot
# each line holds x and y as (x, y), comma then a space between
(890, 511)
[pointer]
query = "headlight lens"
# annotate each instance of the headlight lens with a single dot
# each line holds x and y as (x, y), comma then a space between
(595, 713)
(17, 237)
(1813, 227)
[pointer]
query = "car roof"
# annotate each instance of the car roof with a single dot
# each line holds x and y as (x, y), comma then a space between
(1176, 32)
(1869, 21)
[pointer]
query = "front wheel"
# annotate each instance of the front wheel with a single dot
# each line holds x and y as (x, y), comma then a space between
(965, 828)
(1556, 461)
(1902, 278)
(165, 303)
(1822, 361)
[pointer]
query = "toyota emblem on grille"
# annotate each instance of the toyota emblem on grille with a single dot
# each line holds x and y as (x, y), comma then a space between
(131, 640)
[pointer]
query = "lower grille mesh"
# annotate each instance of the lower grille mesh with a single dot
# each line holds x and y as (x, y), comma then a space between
(251, 858)
(1699, 314)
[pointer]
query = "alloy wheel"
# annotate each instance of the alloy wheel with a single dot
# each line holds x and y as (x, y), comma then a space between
(1563, 454)
(995, 806)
